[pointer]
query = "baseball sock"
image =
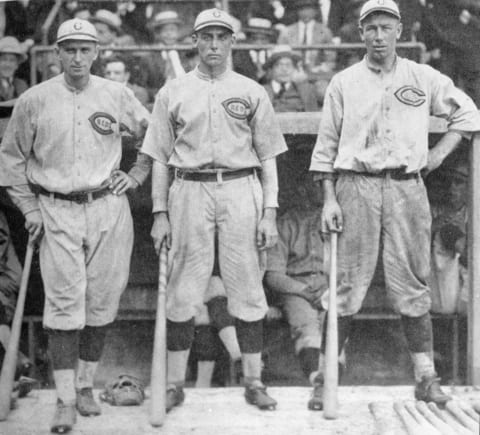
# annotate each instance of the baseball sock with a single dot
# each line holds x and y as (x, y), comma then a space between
(204, 374)
(419, 335)
(250, 340)
(85, 374)
(228, 335)
(308, 357)
(177, 367)
(64, 351)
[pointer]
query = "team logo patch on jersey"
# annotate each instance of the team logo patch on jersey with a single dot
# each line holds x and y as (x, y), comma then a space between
(411, 96)
(102, 122)
(237, 107)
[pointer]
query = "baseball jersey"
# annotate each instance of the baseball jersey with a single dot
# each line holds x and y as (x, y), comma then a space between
(204, 123)
(68, 140)
(373, 121)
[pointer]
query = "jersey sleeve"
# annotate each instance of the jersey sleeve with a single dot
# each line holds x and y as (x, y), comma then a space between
(17, 145)
(267, 137)
(160, 137)
(452, 104)
(135, 117)
(326, 147)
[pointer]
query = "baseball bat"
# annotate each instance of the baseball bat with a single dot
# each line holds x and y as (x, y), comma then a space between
(7, 375)
(454, 409)
(330, 401)
(159, 360)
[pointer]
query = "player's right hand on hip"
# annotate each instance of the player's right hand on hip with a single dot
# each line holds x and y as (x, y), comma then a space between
(161, 231)
(332, 217)
(34, 224)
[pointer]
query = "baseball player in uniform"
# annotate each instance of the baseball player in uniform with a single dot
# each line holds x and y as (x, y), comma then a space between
(372, 146)
(217, 131)
(59, 158)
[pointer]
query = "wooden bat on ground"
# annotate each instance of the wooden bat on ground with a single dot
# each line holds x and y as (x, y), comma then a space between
(454, 409)
(330, 400)
(384, 423)
(7, 375)
(439, 424)
(159, 360)
(449, 419)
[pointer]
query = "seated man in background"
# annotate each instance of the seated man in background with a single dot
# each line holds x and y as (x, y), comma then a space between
(295, 270)
(118, 69)
(10, 276)
(284, 93)
(448, 278)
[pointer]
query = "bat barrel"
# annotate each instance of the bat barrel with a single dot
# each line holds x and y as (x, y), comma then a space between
(330, 401)
(159, 361)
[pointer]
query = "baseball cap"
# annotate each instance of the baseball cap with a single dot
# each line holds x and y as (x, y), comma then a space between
(387, 6)
(77, 29)
(213, 17)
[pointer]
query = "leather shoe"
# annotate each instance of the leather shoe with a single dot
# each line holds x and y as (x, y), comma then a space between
(175, 397)
(65, 417)
(86, 405)
(428, 390)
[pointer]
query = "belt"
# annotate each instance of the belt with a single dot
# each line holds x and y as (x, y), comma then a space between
(394, 174)
(218, 176)
(81, 197)
(307, 274)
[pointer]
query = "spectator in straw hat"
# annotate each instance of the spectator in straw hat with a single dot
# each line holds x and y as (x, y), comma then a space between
(11, 56)
(159, 67)
(108, 25)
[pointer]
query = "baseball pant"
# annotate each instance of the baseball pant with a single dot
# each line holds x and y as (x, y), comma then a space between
(85, 260)
(396, 213)
(233, 208)
(305, 321)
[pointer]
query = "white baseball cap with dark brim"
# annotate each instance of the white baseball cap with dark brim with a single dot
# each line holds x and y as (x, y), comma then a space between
(386, 6)
(213, 17)
(77, 29)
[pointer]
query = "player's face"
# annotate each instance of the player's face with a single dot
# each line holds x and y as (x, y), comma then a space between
(8, 65)
(380, 32)
(214, 45)
(116, 71)
(458, 191)
(283, 70)
(77, 57)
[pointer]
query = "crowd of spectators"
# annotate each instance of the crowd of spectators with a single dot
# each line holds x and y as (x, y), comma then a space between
(295, 80)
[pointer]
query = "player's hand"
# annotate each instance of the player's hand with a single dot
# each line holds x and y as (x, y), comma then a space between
(267, 234)
(332, 217)
(273, 313)
(161, 231)
(121, 182)
(313, 296)
(7, 285)
(34, 224)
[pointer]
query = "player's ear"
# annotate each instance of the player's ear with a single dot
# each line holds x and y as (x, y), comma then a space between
(97, 51)
(194, 39)
(399, 30)
(360, 32)
(234, 38)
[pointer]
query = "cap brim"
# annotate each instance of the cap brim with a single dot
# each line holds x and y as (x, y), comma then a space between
(213, 23)
(94, 20)
(379, 9)
(77, 37)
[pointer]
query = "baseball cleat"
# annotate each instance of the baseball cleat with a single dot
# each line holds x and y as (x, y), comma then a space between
(257, 395)
(429, 390)
(316, 400)
(64, 419)
(86, 405)
(175, 397)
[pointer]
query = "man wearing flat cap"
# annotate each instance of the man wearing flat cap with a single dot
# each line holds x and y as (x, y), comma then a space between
(216, 131)
(370, 155)
(59, 159)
